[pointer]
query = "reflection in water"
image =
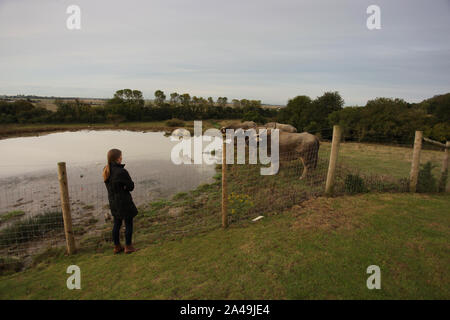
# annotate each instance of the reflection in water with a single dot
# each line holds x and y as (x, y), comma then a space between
(28, 170)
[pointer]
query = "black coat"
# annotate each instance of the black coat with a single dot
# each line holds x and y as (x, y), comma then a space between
(119, 186)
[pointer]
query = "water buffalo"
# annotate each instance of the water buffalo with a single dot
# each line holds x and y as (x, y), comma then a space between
(243, 125)
(298, 145)
(282, 127)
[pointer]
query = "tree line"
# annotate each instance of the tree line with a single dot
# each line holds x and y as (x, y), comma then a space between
(389, 120)
(129, 105)
(380, 120)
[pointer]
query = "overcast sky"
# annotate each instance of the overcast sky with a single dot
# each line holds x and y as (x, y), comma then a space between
(271, 50)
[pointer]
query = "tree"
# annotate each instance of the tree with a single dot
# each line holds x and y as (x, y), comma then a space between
(295, 112)
(312, 116)
(174, 98)
(222, 101)
(160, 97)
(320, 109)
(128, 96)
(185, 99)
(329, 102)
(349, 119)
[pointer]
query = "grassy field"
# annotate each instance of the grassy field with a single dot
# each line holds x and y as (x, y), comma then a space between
(383, 159)
(320, 249)
(382, 163)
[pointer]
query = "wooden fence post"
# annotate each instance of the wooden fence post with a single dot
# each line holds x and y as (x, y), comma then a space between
(333, 160)
(65, 205)
(415, 164)
(224, 184)
(444, 169)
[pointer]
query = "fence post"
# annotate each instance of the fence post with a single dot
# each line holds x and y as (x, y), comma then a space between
(224, 184)
(415, 161)
(444, 169)
(333, 160)
(65, 205)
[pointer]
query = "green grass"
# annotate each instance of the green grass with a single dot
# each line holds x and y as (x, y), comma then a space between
(382, 159)
(11, 215)
(383, 168)
(320, 249)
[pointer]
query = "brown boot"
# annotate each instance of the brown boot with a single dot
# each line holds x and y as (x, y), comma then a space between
(130, 249)
(118, 249)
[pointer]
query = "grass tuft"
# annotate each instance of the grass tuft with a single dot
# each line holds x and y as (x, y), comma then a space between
(32, 228)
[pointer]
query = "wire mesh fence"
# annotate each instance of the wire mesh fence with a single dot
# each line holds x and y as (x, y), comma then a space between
(251, 194)
(174, 204)
(373, 167)
(32, 220)
(379, 166)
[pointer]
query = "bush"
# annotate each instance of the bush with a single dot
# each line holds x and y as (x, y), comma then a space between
(354, 184)
(175, 123)
(426, 182)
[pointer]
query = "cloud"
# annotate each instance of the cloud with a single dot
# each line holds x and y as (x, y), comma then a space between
(270, 50)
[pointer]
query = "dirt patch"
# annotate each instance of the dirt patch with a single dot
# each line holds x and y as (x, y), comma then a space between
(323, 214)
(438, 227)
(176, 212)
(247, 247)
(416, 245)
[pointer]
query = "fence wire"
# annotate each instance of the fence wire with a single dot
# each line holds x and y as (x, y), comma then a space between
(251, 194)
(380, 167)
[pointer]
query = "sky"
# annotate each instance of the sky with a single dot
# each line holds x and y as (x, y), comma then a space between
(270, 50)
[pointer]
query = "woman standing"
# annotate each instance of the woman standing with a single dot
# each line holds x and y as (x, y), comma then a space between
(119, 185)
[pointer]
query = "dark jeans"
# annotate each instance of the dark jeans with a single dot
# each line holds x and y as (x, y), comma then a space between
(128, 230)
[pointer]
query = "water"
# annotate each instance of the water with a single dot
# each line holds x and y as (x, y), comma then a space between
(29, 180)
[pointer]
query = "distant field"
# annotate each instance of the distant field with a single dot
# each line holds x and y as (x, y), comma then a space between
(49, 104)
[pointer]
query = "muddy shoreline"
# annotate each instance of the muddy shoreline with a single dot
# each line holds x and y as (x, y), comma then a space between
(32, 132)
(16, 131)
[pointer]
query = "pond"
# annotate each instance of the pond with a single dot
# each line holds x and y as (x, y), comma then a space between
(29, 180)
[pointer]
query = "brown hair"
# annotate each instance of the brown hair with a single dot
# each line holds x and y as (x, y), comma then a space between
(112, 156)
